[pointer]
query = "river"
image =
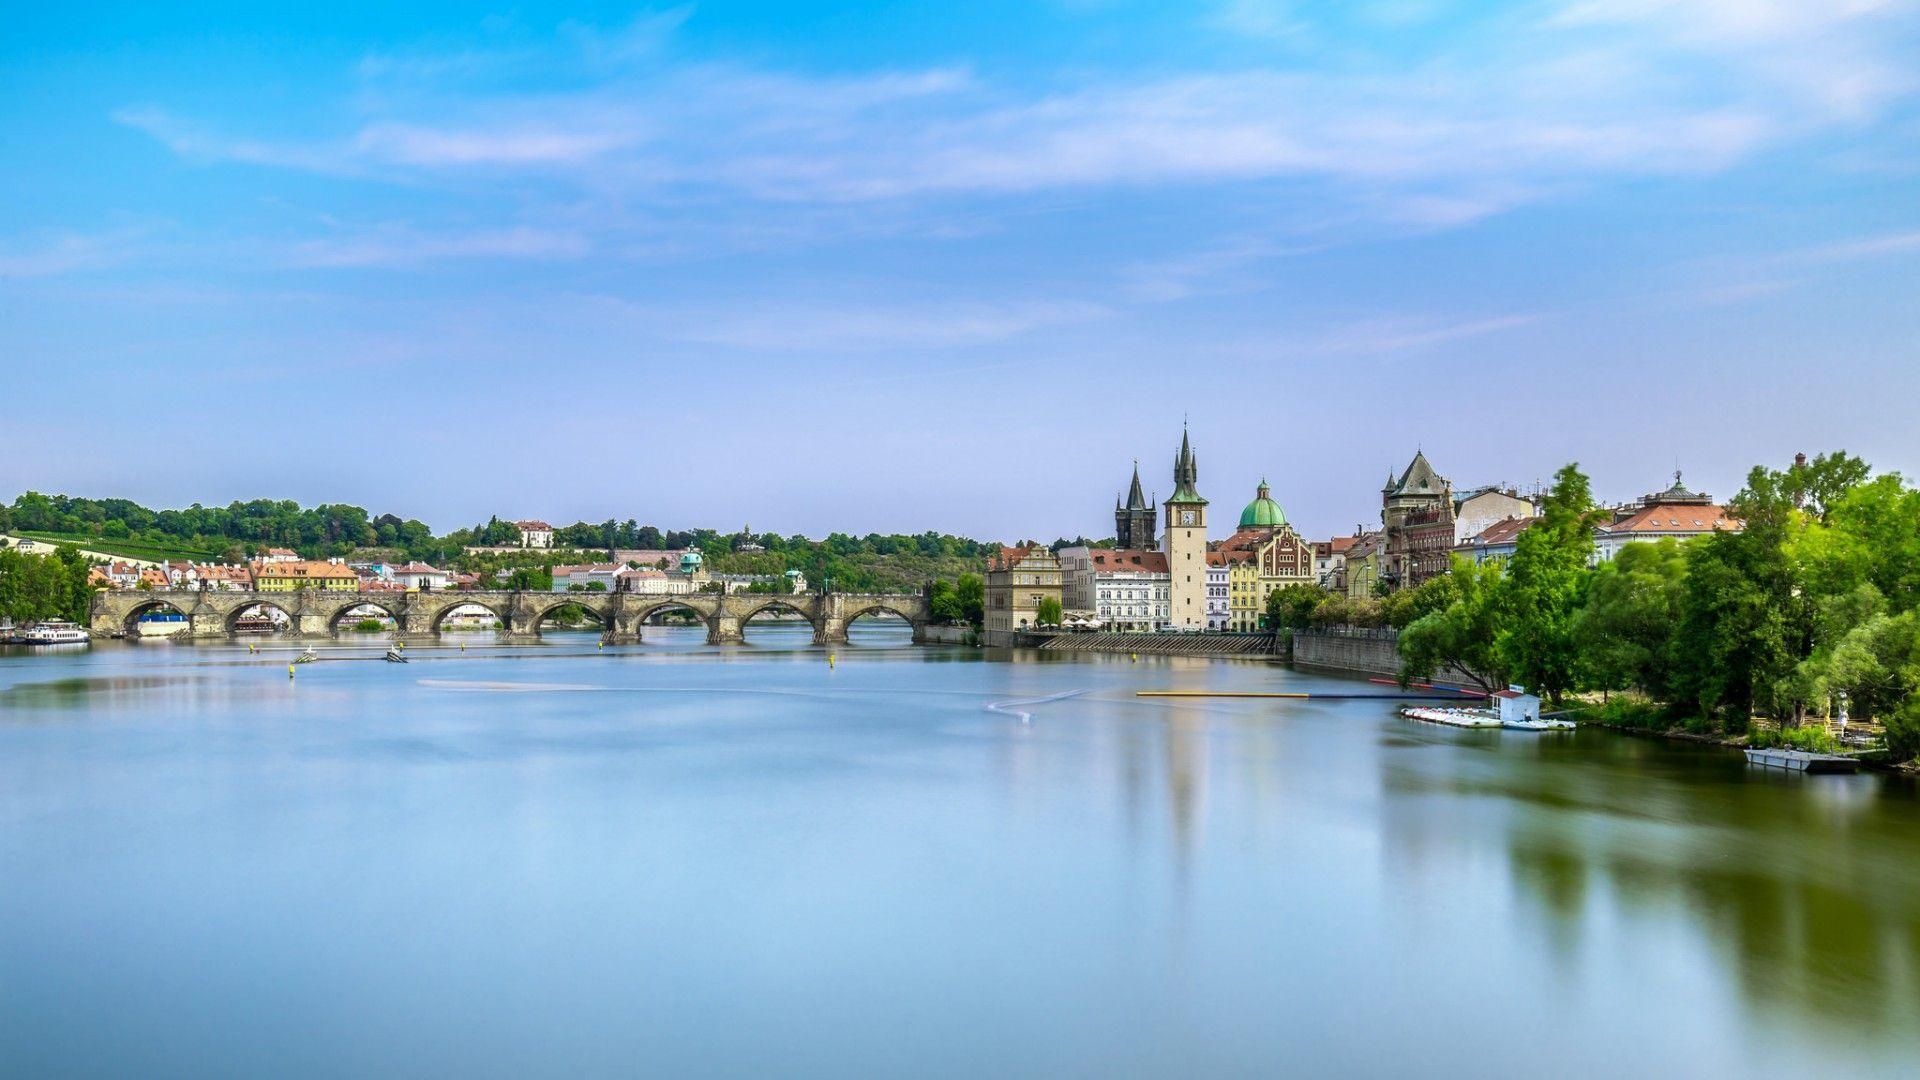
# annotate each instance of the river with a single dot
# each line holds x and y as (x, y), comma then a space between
(672, 859)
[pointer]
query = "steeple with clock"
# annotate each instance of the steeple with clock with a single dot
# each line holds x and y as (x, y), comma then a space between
(1185, 543)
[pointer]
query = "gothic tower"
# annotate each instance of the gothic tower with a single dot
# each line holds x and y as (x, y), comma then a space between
(1133, 523)
(1186, 543)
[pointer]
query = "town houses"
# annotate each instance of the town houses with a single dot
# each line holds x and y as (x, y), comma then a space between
(1162, 572)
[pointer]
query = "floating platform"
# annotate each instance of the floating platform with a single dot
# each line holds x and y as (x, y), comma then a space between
(1802, 761)
(1469, 718)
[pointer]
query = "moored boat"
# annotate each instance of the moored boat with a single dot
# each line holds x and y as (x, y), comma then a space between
(1468, 718)
(1801, 760)
(53, 632)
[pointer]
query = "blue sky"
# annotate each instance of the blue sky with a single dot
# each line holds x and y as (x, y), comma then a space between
(903, 266)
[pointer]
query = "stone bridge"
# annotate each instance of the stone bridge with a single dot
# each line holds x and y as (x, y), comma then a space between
(320, 613)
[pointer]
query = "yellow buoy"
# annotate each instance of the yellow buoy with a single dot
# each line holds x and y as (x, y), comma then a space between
(289, 671)
(830, 659)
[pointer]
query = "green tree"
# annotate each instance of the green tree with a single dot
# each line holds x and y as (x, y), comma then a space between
(1626, 629)
(1049, 613)
(1546, 584)
(1462, 634)
(971, 592)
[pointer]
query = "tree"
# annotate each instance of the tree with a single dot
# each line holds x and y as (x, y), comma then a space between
(1545, 587)
(1460, 635)
(971, 592)
(1627, 627)
(1049, 613)
(1294, 607)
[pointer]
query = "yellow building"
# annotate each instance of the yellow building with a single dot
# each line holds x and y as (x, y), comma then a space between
(304, 574)
(1244, 600)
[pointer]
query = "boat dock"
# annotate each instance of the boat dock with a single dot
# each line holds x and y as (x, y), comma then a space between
(1802, 761)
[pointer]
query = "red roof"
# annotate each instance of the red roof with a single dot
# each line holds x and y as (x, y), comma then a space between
(1676, 519)
(1112, 560)
(524, 526)
(1504, 531)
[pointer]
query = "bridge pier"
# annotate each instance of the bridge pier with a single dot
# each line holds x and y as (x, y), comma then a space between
(724, 629)
(830, 630)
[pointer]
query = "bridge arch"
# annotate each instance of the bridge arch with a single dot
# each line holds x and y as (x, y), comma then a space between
(748, 613)
(130, 623)
(499, 613)
(355, 611)
(542, 612)
(255, 603)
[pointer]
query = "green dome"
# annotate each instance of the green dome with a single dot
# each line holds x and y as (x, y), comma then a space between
(1263, 512)
(691, 561)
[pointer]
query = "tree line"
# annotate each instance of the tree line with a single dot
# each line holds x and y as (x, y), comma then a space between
(35, 587)
(872, 563)
(1815, 595)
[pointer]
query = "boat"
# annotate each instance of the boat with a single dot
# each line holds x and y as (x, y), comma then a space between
(254, 624)
(1542, 723)
(1804, 761)
(307, 656)
(53, 632)
(1468, 718)
(395, 656)
(161, 624)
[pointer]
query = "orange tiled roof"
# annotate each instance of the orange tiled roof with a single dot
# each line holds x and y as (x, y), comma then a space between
(1113, 560)
(1675, 519)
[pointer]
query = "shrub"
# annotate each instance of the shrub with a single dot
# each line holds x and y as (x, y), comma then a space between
(367, 626)
(1816, 740)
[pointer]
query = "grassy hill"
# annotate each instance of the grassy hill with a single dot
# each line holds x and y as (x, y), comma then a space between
(128, 549)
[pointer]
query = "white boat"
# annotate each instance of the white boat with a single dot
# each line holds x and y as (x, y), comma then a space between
(54, 632)
(1540, 724)
(307, 656)
(395, 656)
(1469, 718)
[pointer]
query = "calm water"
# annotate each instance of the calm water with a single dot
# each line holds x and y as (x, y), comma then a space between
(669, 859)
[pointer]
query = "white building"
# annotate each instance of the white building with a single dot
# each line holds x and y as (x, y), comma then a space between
(606, 575)
(1219, 604)
(1125, 590)
(418, 575)
(1516, 705)
(277, 555)
(651, 582)
(535, 534)
(1474, 510)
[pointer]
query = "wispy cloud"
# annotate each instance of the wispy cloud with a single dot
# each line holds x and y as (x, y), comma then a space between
(65, 253)
(1445, 139)
(406, 247)
(842, 326)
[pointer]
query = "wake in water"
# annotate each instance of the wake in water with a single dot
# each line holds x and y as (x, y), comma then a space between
(1011, 705)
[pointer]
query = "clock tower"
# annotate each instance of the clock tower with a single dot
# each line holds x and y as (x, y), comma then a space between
(1185, 544)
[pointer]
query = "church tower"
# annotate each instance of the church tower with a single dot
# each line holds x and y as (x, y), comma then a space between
(1186, 543)
(1133, 523)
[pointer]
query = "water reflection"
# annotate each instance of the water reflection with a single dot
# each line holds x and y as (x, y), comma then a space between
(871, 872)
(1805, 885)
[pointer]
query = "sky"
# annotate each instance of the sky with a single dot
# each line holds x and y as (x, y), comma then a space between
(899, 267)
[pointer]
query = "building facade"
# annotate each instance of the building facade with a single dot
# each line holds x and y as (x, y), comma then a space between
(1019, 580)
(293, 575)
(1474, 510)
(1133, 523)
(1416, 515)
(535, 534)
(1185, 544)
(1674, 513)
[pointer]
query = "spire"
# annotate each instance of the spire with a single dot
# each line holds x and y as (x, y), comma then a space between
(1135, 499)
(1186, 473)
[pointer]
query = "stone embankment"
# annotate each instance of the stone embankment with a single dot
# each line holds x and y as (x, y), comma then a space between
(1362, 651)
(1249, 645)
